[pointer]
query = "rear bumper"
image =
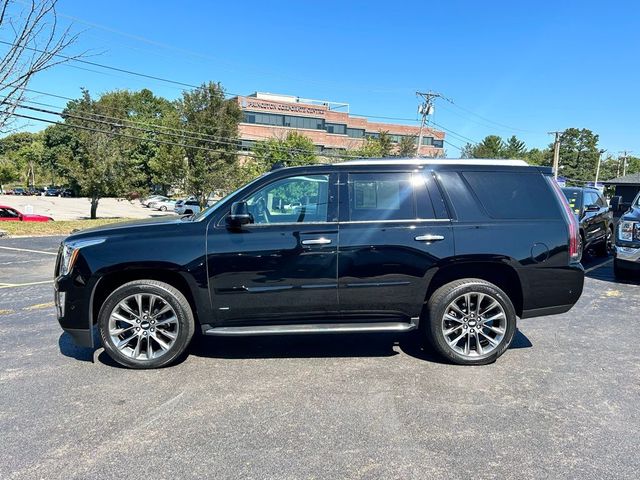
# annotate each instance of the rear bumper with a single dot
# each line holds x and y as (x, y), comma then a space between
(552, 291)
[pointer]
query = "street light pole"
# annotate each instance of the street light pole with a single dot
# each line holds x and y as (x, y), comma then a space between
(598, 167)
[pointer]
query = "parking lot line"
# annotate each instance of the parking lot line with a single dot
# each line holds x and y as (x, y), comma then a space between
(595, 267)
(27, 250)
(15, 285)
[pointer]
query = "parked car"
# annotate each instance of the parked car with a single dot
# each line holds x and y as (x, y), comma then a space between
(454, 250)
(51, 192)
(66, 192)
(153, 198)
(17, 191)
(595, 218)
(164, 205)
(627, 242)
(190, 207)
(11, 214)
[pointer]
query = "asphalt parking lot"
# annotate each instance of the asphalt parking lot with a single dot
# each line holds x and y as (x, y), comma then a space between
(561, 403)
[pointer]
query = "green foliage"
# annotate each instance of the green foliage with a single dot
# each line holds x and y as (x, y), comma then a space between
(8, 172)
(293, 150)
(494, 147)
(579, 154)
(408, 146)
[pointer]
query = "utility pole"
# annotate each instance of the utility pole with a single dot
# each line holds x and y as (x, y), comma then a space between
(624, 158)
(425, 109)
(598, 167)
(556, 153)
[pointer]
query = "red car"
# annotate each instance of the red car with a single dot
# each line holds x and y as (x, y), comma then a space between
(11, 214)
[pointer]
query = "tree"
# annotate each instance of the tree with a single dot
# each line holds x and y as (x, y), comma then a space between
(34, 43)
(386, 145)
(408, 146)
(8, 173)
(579, 154)
(97, 162)
(514, 148)
(293, 150)
(211, 160)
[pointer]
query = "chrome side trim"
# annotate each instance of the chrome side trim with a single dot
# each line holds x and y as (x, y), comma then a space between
(311, 328)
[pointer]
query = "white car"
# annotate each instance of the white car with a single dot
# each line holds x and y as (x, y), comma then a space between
(189, 207)
(153, 198)
(163, 205)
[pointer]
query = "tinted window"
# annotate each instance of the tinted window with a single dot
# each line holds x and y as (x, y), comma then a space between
(574, 197)
(381, 196)
(336, 128)
(506, 195)
(433, 206)
(300, 199)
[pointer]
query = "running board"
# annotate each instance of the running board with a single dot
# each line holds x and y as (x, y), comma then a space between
(311, 328)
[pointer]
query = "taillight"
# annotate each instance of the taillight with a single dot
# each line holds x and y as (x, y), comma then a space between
(574, 236)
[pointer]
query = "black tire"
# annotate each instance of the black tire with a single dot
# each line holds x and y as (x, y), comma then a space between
(444, 296)
(188, 212)
(604, 249)
(619, 271)
(168, 294)
(163, 208)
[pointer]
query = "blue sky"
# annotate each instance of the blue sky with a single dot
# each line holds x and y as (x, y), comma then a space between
(522, 68)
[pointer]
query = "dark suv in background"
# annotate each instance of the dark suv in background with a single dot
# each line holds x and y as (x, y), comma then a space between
(595, 217)
(454, 249)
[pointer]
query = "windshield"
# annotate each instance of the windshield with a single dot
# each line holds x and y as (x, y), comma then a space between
(574, 197)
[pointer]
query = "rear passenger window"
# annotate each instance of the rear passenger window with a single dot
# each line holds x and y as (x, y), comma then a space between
(381, 196)
(507, 195)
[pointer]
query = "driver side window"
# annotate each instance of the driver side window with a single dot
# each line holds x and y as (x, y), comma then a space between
(299, 199)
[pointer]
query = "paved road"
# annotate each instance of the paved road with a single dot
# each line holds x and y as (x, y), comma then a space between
(562, 403)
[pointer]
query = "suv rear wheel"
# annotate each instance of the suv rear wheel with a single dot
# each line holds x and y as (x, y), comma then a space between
(145, 324)
(471, 321)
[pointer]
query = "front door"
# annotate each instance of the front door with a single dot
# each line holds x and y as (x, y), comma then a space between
(392, 234)
(282, 267)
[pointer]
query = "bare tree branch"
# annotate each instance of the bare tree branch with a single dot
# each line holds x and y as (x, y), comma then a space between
(33, 42)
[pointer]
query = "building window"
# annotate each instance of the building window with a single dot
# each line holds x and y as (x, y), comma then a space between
(283, 120)
(438, 143)
(246, 145)
(355, 132)
(427, 140)
(372, 135)
(336, 128)
(303, 122)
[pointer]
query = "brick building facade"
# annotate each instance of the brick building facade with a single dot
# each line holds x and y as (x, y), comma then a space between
(268, 115)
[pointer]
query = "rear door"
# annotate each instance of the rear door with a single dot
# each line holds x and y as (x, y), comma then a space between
(391, 238)
(595, 222)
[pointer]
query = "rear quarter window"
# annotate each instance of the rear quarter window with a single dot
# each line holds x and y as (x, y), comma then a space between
(511, 195)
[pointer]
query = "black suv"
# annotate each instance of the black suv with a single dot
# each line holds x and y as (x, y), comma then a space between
(456, 249)
(595, 218)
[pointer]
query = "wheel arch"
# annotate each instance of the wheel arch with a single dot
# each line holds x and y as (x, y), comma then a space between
(497, 271)
(112, 280)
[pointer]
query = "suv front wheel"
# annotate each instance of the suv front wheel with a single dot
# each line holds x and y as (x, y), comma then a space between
(470, 321)
(145, 324)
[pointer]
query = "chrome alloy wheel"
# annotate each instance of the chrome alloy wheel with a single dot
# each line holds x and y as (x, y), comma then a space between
(143, 326)
(474, 324)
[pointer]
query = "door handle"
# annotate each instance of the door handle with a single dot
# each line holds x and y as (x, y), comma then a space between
(317, 241)
(429, 238)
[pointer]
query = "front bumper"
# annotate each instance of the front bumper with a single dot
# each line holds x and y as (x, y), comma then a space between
(627, 254)
(73, 309)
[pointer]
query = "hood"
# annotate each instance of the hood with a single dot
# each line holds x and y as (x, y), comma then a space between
(633, 214)
(120, 228)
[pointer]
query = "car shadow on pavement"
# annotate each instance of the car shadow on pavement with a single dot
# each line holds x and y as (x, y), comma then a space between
(69, 349)
(292, 346)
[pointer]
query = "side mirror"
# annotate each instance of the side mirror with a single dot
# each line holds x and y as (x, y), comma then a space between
(592, 208)
(239, 215)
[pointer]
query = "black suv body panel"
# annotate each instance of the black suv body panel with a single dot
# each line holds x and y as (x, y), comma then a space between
(343, 266)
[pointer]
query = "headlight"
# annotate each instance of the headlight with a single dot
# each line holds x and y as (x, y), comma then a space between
(70, 253)
(629, 231)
